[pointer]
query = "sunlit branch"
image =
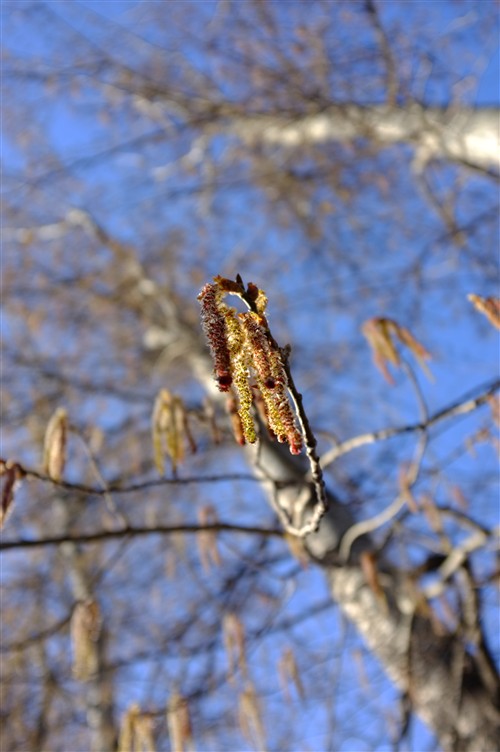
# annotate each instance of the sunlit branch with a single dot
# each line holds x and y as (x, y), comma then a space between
(368, 526)
(314, 462)
(455, 559)
(108, 499)
(461, 407)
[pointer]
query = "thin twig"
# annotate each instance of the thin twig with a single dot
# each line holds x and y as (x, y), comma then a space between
(106, 535)
(109, 501)
(385, 48)
(368, 526)
(457, 556)
(117, 488)
(422, 404)
(456, 408)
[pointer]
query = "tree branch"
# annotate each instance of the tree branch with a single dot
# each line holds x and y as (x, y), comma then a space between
(135, 531)
(460, 407)
(118, 488)
(386, 52)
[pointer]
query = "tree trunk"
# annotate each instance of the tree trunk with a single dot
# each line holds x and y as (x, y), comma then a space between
(446, 687)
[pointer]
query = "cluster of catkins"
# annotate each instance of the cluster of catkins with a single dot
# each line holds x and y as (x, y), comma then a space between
(247, 361)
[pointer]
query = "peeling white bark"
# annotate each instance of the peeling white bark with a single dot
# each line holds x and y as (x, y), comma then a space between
(443, 686)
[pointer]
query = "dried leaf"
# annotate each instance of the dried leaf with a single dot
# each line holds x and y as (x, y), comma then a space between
(179, 724)
(431, 511)
(381, 334)
(482, 435)
(490, 307)
(298, 549)
(368, 562)
(7, 496)
(126, 738)
(234, 643)
(210, 416)
(207, 540)
(405, 486)
(250, 716)
(157, 434)
(170, 430)
(362, 676)
(494, 403)
(85, 629)
(143, 733)
(234, 416)
(54, 452)
(377, 332)
(186, 428)
(421, 354)
(459, 498)
(12, 474)
(289, 672)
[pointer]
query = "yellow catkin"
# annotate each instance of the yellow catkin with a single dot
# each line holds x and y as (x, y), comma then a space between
(239, 366)
(240, 378)
(275, 422)
(233, 329)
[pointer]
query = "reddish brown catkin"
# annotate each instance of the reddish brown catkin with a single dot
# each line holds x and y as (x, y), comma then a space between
(214, 326)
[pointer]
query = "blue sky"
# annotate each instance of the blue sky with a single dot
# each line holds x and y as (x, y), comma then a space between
(321, 288)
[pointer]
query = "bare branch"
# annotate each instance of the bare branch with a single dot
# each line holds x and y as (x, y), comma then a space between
(460, 407)
(385, 49)
(136, 531)
(457, 556)
(368, 526)
(118, 488)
